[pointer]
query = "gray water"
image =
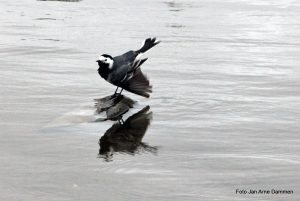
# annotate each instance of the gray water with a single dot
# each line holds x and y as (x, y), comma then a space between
(226, 104)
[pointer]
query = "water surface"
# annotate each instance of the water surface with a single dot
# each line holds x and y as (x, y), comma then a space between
(225, 102)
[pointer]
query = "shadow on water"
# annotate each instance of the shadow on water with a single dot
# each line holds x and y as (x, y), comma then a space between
(126, 137)
(114, 106)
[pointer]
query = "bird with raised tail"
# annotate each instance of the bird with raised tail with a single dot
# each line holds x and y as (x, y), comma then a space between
(124, 71)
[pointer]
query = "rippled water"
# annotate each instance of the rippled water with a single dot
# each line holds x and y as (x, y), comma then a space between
(225, 105)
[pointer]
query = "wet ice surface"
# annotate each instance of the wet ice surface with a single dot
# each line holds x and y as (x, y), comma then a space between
(225, 102)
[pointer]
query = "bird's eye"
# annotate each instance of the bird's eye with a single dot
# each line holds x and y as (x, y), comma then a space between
(105, 60)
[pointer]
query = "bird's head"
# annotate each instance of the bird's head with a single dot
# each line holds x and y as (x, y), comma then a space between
(105, 60)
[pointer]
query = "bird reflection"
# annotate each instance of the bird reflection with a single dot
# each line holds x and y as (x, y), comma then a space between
(127, 136)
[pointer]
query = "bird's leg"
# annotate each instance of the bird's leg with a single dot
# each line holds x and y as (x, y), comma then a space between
(120, 92)
(115, 92)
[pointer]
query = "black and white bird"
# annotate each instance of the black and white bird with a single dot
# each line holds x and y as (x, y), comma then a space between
(124, 71)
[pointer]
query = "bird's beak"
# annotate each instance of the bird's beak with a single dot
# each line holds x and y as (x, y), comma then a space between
(97, 60)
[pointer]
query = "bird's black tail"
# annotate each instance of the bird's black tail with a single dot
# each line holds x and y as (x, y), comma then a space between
(148, 44)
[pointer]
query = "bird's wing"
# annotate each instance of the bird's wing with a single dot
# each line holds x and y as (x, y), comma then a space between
(124, 67)
(118, 75)
(126, 72)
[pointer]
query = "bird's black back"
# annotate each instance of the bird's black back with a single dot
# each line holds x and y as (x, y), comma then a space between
(122, 65)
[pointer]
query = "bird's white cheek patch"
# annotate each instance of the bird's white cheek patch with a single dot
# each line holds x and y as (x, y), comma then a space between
(111, 63)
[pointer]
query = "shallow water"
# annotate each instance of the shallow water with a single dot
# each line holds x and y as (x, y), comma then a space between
(225, 102)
